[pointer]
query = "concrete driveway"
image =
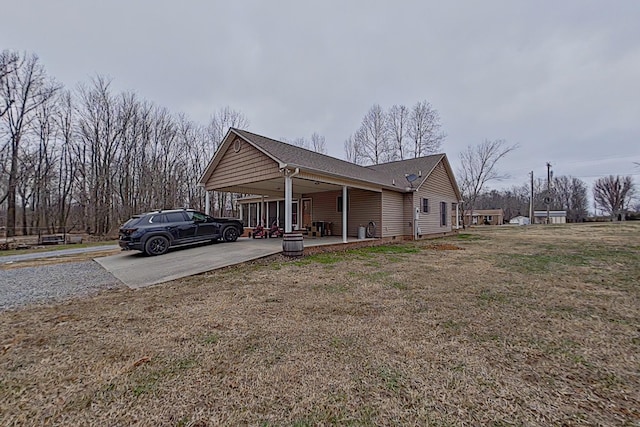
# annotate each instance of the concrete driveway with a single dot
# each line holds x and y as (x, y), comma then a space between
(137, 270)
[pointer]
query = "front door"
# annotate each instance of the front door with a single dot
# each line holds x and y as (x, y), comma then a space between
(306, 214)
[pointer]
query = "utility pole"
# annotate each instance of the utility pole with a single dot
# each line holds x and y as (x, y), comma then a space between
(531, 219)
(548, 198)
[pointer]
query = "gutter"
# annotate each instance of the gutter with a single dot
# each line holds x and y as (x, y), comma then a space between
(391, 187)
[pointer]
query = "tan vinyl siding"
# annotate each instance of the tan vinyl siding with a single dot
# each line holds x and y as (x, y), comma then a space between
(364, 206)
(409, 212)
(392, 214)
(437, 188)
(324, 209)
(246, 166)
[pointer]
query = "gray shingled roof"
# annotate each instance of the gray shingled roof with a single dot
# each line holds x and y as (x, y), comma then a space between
(382, 174)
(420, 166)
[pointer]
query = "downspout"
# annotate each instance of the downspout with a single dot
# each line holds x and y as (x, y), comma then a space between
(345, 206)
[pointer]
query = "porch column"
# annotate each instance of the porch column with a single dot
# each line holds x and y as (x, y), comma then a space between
(207, 203)
(258, 208)
(344, 214)
(262, 210)
(287, 202)
(457, 217)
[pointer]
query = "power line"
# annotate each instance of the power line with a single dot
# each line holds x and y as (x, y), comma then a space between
(604, 174)
(601, 159)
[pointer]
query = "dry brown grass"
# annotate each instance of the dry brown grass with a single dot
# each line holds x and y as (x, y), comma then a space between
(527, 326)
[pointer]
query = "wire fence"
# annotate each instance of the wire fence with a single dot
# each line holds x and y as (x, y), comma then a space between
(40, 237)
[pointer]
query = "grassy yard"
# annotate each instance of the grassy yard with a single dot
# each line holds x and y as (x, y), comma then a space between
(498, 326)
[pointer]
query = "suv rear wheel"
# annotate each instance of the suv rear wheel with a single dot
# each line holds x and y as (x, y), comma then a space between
(156, 245)
(230, 234)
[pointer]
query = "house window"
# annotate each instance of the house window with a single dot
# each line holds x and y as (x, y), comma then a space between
(425, 205)
(339, 204)
(443, 214)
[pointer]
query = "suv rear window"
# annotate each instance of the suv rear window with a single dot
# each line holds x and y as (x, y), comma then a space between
(132, 222)
(156, 219)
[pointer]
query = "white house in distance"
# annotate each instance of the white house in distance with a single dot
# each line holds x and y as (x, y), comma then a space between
(520, 220)
(555, 217)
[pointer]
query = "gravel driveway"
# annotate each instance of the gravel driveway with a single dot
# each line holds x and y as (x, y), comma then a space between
(52, 283)
(55, 253)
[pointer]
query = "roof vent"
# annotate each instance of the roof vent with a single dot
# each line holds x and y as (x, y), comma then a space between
(393, 182)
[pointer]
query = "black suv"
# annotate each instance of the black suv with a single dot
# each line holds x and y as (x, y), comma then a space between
(155, 232)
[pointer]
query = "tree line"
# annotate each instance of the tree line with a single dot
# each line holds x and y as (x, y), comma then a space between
(613, 196)
(86, 159)
(567, 193)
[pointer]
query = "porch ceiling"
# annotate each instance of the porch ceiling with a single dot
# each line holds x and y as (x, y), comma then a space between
(275, 187)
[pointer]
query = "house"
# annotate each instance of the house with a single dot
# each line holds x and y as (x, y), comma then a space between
(520, 220)
(555, 217)
(301, 189)
(484, 217)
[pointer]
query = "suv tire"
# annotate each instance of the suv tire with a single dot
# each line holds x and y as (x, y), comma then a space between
(156, 245)
(230, 234)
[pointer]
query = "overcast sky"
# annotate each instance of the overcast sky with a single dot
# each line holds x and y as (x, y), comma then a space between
(559, 78)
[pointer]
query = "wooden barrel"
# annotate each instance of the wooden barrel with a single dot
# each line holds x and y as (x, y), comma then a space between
(292, 244)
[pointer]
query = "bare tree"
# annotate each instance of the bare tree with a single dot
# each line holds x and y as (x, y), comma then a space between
(67, 163)
(613, 194)
(570, 194)
(398, 124)
(222, 120)
(100, 132)
(425, 130)
(8, 60)
(315, 143)
(27, 85)
(513, 201)
(372, 138)
(352, 151)
(478, 166)
(298, 142)
(318, 143)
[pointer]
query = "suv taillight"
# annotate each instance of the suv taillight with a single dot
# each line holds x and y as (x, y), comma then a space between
(128, 231)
